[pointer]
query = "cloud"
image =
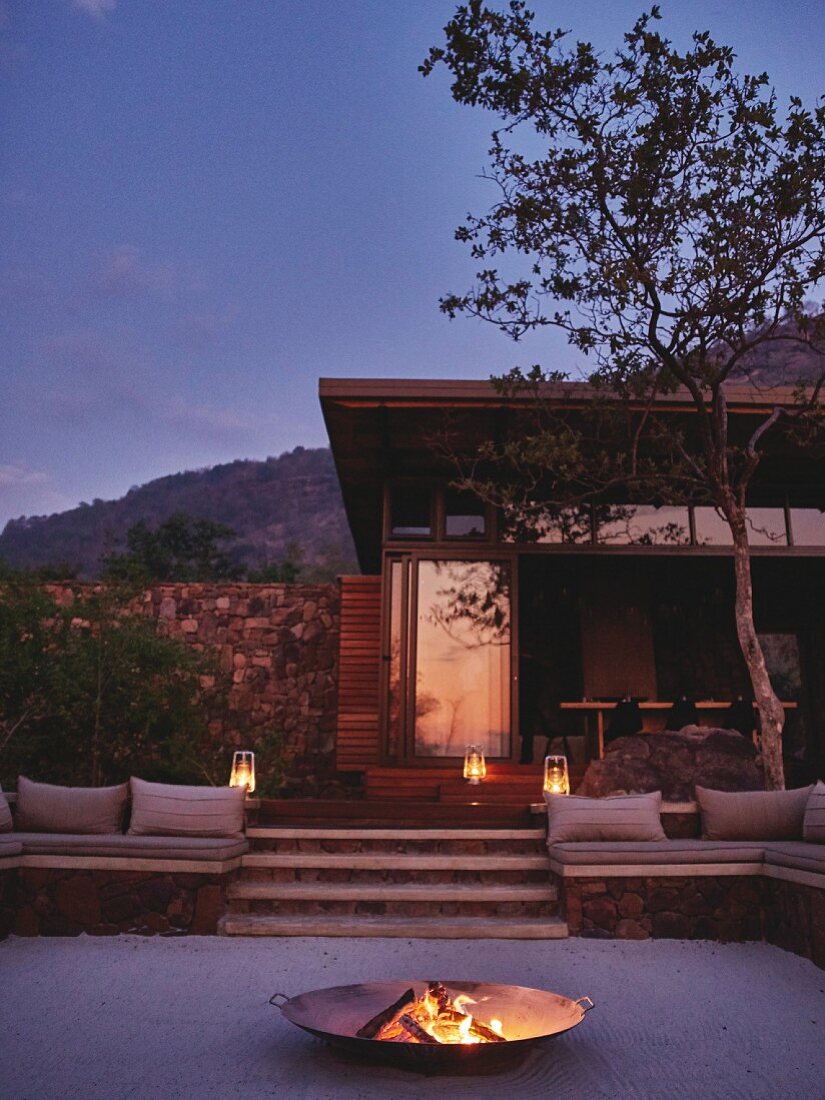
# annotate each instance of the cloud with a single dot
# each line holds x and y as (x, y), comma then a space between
(204, 419)
(25, 491)
(124, 273)
(96, 9)
(19, 475)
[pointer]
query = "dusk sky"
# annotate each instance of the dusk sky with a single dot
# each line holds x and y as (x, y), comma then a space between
(208, 204)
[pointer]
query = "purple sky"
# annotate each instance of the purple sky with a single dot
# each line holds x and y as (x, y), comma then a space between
(207, 204)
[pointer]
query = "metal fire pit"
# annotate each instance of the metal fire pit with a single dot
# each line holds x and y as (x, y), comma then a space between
(528, 1015)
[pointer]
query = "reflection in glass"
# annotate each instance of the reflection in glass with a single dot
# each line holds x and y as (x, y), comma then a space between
(643, 525)
(547, 525)
(766, 527)
(464, 515)
(711, 528)
(808, 526)
(462, 691)
(411, 513)
(394, 685)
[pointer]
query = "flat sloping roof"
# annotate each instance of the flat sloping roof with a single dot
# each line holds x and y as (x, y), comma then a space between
(383, 427)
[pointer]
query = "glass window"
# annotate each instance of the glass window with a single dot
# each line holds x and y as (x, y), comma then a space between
(411, 512)
(548, 525)
(766, 527)
(808, 526)
(643, 525)
(462, 687)
(464, 515)
(711, 528)
(394, 739)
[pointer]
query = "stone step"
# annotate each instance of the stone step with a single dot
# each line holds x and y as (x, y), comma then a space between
(250, 924)
(357, 891)
(394, 900)
(325, 833)
(373, 861)
(400, 842)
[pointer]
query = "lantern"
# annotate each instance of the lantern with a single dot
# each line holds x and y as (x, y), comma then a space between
(243, 770)
(475, 767)
(556, 775)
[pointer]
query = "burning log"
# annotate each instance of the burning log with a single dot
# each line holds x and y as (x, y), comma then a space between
(416, 1030)
(388, 1017)
(431, 1018)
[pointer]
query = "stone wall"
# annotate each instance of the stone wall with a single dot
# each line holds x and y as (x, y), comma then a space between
(276, 652)
(724, 908)
(67, 902)
(278, 645)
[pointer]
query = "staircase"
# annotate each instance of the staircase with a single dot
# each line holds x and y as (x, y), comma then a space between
(435, 883)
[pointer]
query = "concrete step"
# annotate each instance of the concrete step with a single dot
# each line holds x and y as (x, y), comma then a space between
(463, 842)
(372, 861)
(358, 891)
(394, 927)
(323, 832)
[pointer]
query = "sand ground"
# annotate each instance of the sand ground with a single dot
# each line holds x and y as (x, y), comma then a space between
(153, 1017)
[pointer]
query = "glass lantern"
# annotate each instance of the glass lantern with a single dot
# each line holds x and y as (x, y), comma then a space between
(556, 775)
(475, 766)
(243, 770)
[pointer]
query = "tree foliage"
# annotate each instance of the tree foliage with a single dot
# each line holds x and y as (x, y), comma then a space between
(661, 210)
(90, 693)
(181, 548)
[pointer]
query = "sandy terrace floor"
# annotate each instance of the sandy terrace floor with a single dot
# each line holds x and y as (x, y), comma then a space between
(132, 1017)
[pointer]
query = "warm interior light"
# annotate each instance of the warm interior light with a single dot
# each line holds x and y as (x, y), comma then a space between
(475, 766)
(556, 775)
(243, 770)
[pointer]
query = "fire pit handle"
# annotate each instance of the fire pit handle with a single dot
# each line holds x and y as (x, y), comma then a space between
(273, 1000)
(587, 1006)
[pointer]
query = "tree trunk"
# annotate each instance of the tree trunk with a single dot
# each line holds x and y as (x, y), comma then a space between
(771, 711)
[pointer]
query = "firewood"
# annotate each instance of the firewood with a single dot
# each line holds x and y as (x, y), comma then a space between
(387, 1016)
(416, 1030)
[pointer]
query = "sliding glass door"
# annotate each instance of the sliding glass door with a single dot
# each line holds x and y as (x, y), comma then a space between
(449, 658)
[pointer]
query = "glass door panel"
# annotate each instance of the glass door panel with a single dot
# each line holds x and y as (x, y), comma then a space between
(462, 658)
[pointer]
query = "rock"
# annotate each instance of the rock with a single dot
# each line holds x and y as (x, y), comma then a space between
(674, 762)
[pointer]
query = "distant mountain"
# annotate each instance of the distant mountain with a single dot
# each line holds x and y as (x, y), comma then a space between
(273, 506)
(782, 363)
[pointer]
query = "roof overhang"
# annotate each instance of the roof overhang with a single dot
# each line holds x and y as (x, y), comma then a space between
(380, 428)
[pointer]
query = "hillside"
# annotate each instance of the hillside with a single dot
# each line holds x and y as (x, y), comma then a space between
(292, 499)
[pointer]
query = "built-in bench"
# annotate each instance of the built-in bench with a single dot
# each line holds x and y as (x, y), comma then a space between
(106, 883)
(695, 889)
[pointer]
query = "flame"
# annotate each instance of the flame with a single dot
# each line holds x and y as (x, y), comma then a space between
(444, 1019)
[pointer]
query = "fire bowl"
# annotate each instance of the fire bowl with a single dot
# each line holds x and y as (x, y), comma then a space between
(528, 1016)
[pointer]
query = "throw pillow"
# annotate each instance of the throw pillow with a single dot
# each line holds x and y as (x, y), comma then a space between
(618, 817)
(6, 821)
(813, 823)
(167, 809)
(752, 815)
(47, 808)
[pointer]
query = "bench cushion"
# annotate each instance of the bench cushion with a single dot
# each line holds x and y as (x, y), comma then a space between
(10, 845)
(752, 815)
(47, 808)
(797, 854)
(614, 853)
(168, 809)
(137, 847)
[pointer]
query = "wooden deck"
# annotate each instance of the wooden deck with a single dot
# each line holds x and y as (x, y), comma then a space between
(510, 797)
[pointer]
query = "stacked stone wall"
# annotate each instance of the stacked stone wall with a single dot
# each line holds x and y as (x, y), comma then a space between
(275, 648)
(277, 645)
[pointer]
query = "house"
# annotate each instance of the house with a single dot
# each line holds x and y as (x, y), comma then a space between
(461, 632)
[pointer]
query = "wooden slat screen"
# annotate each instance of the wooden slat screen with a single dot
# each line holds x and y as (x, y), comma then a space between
(359, 674)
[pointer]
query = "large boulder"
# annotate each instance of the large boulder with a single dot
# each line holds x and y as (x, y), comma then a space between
(674, 762)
